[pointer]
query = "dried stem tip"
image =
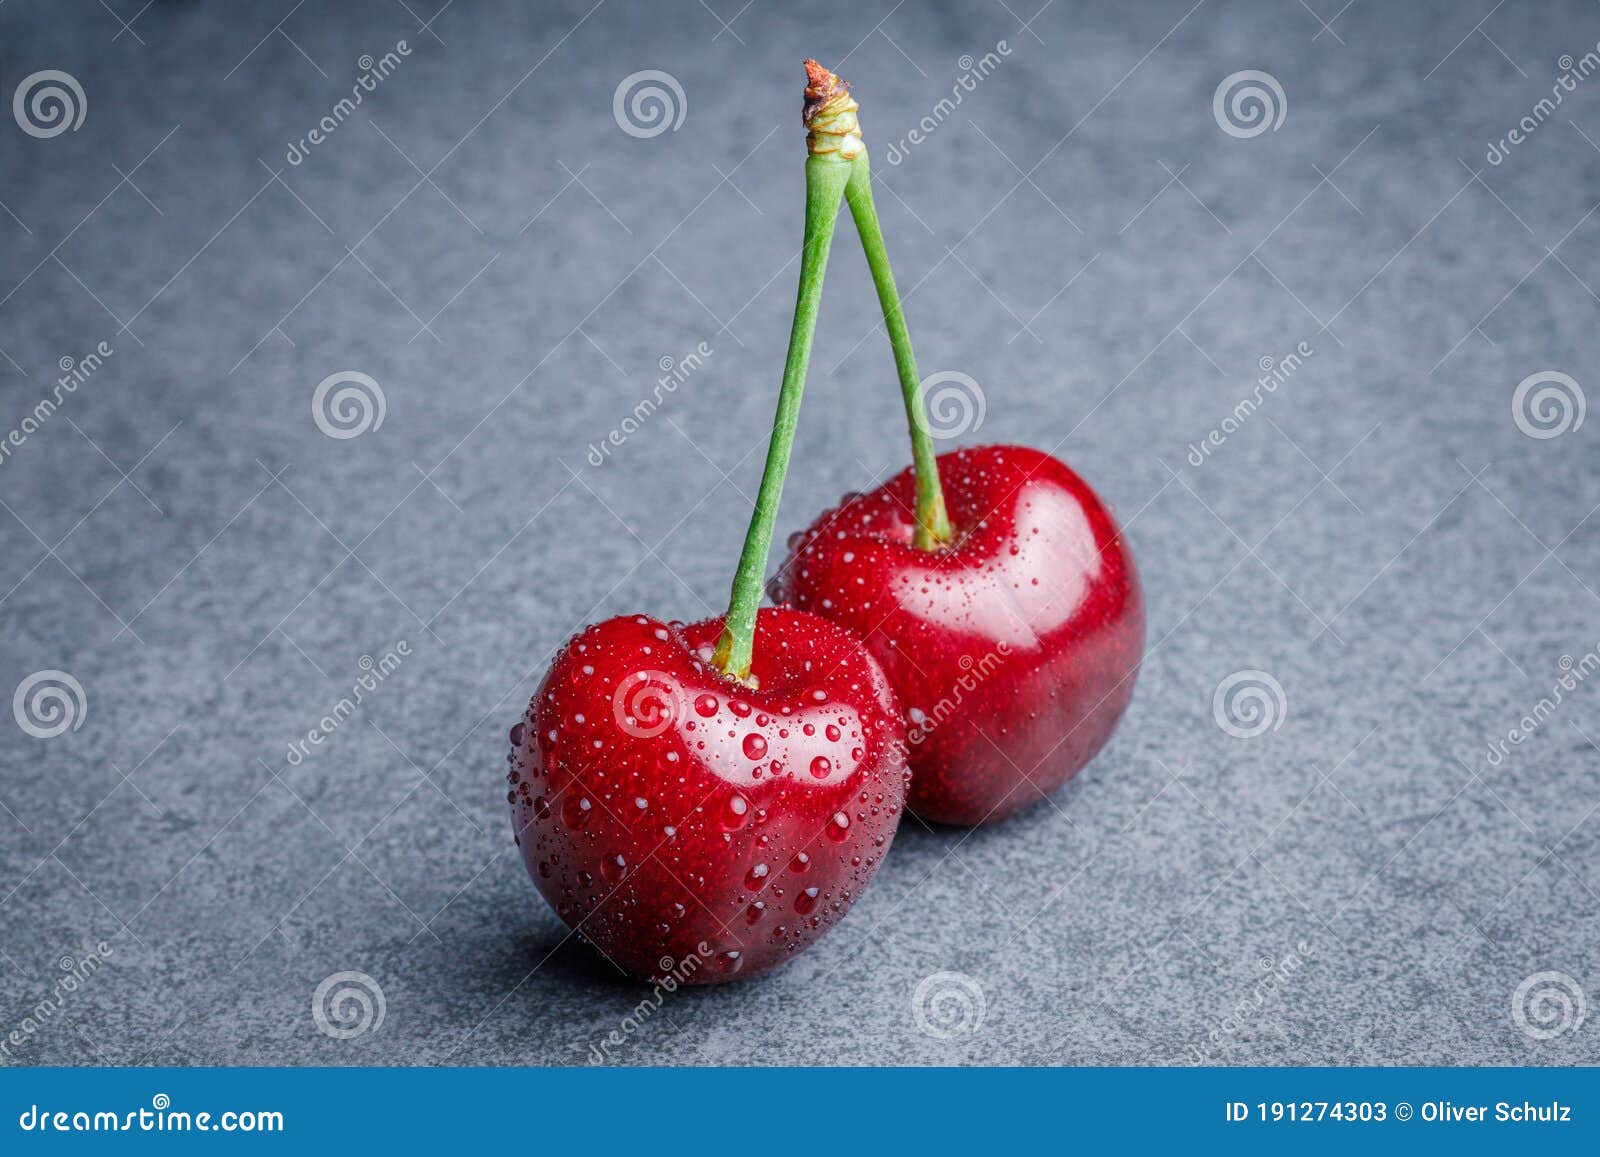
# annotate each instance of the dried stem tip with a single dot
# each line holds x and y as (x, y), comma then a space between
(830, 115)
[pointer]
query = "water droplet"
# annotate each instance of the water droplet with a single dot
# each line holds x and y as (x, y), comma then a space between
(730, 961)
(832, 733)
(706, 705)
(806, 901)
(839, 827)
(821, 766)
(756, 878)
(613, 868)
(517, 734)
(755, 747)
(576, 812)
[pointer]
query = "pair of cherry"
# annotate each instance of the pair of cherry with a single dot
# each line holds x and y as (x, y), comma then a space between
(705, 800)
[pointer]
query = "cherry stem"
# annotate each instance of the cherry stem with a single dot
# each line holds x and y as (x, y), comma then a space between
(826, 176)
(933, 523)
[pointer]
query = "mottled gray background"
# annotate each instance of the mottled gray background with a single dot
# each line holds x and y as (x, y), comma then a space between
(1080, 236)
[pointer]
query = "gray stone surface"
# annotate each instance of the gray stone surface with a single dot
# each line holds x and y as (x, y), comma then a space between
(1079, 235)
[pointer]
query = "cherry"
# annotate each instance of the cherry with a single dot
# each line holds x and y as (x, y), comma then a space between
(1013, 647)
(1008, 614)
(702, 801)
(685, 824)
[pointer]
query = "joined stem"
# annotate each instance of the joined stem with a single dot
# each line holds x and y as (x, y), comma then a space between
(933, 523)
(826, 177)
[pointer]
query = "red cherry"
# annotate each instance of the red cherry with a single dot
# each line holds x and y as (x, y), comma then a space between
(674, 817)
(1014, 648)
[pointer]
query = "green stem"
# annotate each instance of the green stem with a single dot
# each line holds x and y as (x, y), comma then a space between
(825, 183)
(933, 523)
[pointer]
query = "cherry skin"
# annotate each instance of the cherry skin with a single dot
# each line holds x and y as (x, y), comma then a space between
(692, 826)
(1013, 648)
